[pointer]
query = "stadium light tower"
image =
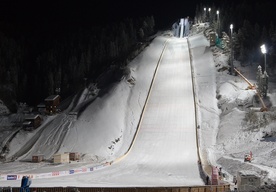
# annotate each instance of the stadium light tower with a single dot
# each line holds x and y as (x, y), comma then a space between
(231, 55)
(209, 14)
(204, 14)
(218, 21)
(263, 49)
(265, 76)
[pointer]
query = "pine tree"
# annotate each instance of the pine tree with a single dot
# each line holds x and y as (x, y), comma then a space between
(141, 34)
(264, 36)
(50, 83)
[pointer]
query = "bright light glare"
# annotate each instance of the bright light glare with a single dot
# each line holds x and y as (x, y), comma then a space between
(231, 26)
(263, 49)
(217, 12)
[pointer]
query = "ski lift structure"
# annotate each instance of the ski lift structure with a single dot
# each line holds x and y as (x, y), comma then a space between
(251, 86)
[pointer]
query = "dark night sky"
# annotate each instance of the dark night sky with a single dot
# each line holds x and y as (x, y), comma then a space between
(51, 15)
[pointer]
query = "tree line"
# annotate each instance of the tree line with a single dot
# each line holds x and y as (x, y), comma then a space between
(253, 26)
(34, 67)
(45, 62)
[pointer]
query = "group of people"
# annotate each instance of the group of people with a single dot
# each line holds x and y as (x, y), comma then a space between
(181, 28)
(25, 184)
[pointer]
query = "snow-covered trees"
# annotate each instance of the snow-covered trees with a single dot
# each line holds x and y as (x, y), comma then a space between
(250, 30)
(262, 82)
(63, 59)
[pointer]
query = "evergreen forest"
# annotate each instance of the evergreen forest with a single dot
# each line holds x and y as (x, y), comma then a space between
(36, 62)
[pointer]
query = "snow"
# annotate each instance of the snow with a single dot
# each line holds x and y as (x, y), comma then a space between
(164, 141)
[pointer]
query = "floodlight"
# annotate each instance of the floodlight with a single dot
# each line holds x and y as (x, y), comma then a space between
(263, 49)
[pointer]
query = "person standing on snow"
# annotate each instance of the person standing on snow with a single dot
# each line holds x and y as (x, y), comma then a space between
(24, 182)
(28, 184)
(207, 180)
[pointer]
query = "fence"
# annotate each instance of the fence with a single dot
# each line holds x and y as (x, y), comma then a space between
(207, 188)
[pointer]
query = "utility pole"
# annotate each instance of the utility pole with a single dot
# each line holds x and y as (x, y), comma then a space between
(218, 23)
(231, 54)
(264, 76)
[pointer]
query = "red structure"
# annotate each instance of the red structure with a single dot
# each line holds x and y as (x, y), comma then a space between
(37, 158)
(74, 156)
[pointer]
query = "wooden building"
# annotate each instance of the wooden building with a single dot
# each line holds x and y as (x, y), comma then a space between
(61, 158)
(212, 37)
(51, 104)
(248, 180)
(74, 156)
(32, 122)
(37, 158)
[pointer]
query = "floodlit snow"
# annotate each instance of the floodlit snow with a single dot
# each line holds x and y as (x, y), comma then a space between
(159, 150)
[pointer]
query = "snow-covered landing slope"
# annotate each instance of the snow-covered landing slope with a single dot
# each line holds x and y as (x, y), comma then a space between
(165, 150)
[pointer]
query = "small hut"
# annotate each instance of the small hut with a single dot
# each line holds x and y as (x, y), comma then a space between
(212, 37)
(51, 104)
(32, 122)
(74, 156)
(37, 158)
(61, 158)
(248, 180)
